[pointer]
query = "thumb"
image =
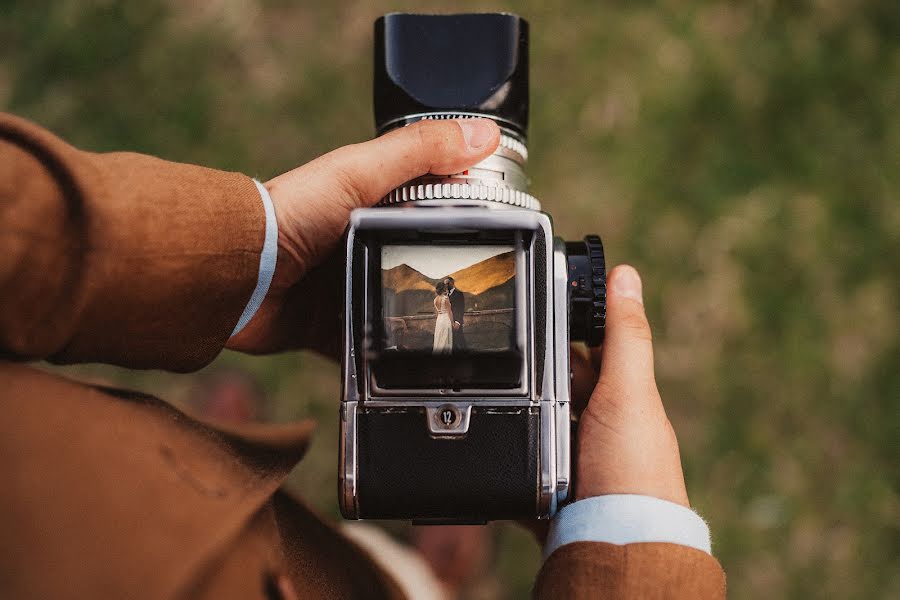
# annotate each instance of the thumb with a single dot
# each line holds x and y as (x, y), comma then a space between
(313, 202)
(627, 355)
(361, 174)
(627, 445)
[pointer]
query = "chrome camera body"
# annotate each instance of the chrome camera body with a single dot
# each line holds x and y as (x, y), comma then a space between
(460, 304)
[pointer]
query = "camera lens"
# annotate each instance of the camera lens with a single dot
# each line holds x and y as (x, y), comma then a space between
(587, 290)
(457, 67)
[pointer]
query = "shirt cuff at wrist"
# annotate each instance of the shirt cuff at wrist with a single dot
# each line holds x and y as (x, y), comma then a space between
(267, 259)
(627, 519)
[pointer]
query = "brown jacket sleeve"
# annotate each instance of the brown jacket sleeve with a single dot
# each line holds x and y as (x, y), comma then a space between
(120, 258)
(647, 570)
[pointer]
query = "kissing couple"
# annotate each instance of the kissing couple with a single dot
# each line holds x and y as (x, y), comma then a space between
(450, 308)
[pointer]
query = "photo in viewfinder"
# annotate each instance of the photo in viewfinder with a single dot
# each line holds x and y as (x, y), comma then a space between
(447, 300)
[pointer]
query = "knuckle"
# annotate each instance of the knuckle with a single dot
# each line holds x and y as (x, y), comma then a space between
(635, 323)
(438, 137)
(348, 185)
(671, 437)
(428, 137)
(607, 398)
(423, 148)
(599, 413)
(606, 388)
(670, 431)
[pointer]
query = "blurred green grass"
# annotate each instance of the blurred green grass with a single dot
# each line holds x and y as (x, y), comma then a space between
(743, 155)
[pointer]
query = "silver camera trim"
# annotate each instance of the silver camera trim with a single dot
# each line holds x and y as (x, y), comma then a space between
(552, 400)
(524, 277)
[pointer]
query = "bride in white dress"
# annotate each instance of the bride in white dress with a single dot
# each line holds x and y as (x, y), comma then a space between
(443, 324)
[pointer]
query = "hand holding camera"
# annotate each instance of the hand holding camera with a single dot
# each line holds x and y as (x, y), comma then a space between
(625, 442)
(312, 206)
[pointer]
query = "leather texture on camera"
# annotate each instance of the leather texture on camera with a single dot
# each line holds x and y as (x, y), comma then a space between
(491, 474)
(540, 306)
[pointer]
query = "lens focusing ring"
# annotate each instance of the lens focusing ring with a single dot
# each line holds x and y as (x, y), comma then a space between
(414, 192)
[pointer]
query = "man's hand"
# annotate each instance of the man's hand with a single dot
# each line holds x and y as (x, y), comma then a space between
(456, 325)
(313, 205)
(626, 444)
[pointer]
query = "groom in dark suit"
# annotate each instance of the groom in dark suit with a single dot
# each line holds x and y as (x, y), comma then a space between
(458, 306)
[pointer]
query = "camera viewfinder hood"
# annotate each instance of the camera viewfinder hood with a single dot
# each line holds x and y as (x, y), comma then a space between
(469, 63)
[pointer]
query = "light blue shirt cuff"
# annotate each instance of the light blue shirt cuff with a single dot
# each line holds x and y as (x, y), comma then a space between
(267, 259)
(627, 519)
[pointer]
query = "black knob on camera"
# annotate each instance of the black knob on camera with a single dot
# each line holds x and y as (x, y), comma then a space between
(587, 290)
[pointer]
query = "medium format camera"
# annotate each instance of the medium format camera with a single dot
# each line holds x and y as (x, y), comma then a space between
(460, 303)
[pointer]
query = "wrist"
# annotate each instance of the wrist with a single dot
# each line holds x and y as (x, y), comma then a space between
(662, 486)
(267, 260)
(277, 268)
(289, 268)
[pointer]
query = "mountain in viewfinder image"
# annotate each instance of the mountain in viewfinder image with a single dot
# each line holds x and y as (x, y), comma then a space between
(489, 284)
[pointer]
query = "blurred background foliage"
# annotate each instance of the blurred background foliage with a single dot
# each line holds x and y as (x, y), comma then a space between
(743, 155)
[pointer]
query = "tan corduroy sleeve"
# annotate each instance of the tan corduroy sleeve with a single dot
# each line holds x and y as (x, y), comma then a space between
(648, 570)
(120, 258)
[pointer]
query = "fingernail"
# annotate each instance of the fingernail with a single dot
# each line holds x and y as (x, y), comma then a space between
(627, 283)
(477, 132)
